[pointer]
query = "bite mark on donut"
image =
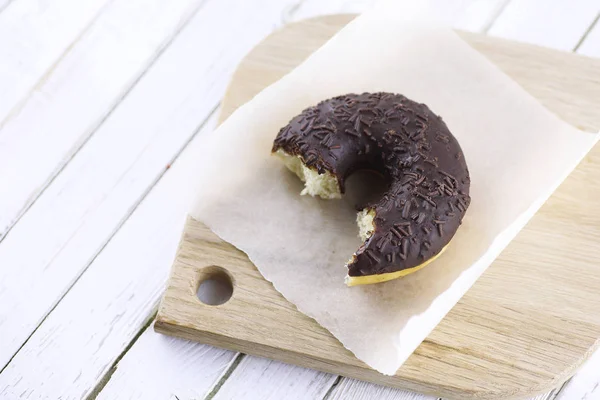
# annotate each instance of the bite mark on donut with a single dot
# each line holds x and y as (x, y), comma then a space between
(366, 225)
(324, 185)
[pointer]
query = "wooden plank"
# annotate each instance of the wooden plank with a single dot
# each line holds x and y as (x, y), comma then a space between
(553, 23)
(75, 97)
(260, 378)
(34, 36)
(158, 367)
(182, 315)
(469, 15)
(93, 323)
(358, 390)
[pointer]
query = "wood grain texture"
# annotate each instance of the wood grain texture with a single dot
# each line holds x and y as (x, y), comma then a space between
(529, 331)
(585, 385)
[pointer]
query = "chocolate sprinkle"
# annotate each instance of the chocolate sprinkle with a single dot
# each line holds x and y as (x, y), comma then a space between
(396, 232)
(403, 231)
(383, 242)
(407, 143)
(372, 256)
(406, 209)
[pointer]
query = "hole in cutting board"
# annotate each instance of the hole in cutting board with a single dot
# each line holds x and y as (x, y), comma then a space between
(215, 286)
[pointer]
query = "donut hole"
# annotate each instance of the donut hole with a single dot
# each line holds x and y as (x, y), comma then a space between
(364, 187)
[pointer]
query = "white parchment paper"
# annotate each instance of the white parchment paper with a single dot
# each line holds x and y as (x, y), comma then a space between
(517, 153)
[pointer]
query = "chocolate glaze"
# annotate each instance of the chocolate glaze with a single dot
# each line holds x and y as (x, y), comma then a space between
(412, 147)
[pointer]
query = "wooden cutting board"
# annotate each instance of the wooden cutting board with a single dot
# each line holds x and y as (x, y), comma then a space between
(521, 330)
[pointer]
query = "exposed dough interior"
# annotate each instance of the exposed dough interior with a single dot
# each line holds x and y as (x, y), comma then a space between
(324, 185)
(364, 219)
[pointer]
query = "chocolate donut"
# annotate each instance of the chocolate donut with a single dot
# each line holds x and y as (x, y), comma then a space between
(428, 192)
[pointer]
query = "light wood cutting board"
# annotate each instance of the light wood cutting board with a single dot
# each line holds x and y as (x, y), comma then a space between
(522, 329)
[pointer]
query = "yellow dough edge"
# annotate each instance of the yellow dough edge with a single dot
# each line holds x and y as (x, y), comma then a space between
(378, 278)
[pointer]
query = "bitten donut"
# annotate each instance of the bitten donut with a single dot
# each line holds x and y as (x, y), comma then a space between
(428, 192)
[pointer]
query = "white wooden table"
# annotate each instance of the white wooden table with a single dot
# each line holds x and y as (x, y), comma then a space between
(98, 99)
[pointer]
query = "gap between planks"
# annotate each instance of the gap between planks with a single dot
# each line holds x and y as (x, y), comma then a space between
(106, 377)
(587, 33)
